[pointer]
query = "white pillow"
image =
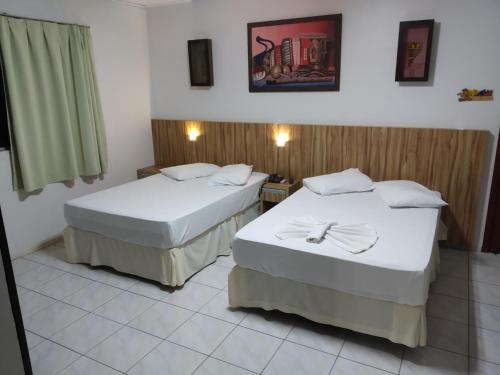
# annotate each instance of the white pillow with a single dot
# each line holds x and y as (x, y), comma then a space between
(236, 174)
(190, 171)
(348, 181)
(402, 193)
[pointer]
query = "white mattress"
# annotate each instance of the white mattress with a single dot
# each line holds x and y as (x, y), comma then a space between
(398, 268)
(160, 212)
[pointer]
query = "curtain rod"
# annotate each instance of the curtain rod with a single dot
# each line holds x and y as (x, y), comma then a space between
(41, 20)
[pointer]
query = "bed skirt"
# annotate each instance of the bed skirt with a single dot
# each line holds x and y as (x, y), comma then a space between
(399, 323)
(167, 266)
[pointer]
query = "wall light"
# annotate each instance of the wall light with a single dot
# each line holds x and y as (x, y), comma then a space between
(193, 130)
(281, 139)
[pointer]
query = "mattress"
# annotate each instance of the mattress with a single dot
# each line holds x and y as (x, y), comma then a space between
(160, 212)
(397, 268)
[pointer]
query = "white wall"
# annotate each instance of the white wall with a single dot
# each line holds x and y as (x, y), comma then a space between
(467, 56)
(122, 59)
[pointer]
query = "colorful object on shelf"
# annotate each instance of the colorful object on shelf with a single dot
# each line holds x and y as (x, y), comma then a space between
(472, 95)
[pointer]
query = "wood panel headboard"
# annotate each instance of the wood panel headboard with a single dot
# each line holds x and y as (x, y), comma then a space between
(447, 160)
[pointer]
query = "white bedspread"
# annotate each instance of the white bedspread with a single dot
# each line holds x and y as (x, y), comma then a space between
(397, 268)
(160, 212)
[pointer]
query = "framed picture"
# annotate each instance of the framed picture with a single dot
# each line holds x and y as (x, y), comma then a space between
(299, 54)
(414, 50)
(200, 62)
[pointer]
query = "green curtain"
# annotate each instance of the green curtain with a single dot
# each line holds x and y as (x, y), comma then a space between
(55, 117)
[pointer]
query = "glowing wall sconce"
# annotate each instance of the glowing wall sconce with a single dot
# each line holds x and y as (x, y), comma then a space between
(193, 130)
(281, 134)
(281, 139)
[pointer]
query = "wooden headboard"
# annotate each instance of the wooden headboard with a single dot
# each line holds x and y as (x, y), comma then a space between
(447, 160)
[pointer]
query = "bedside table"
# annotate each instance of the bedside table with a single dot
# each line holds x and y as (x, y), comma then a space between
(272, 193)
(148, 171)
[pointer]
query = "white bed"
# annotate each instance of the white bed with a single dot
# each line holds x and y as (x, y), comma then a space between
(157, 227)
(392, 278)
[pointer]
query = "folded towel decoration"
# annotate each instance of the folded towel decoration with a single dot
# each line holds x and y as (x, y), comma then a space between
(354, 238)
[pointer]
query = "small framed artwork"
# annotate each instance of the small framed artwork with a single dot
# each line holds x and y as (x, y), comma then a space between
(299, 54)
(414, 50)
(200, 62)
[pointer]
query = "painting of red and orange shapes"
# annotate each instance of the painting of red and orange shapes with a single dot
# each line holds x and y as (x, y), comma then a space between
(300, 54)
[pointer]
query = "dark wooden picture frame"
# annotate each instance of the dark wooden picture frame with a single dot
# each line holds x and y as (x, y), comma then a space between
(414, 50)
(200, 62)
(300, 54)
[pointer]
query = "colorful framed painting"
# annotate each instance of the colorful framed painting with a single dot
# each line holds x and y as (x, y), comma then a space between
(299, 54)
(414, 50)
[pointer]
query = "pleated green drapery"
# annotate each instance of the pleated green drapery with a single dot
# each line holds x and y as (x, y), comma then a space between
(56, 123)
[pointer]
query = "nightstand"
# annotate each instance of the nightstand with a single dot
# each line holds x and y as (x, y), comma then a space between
(148, 171)
(273, 193)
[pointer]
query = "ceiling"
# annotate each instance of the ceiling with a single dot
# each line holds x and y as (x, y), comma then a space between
(152, 3)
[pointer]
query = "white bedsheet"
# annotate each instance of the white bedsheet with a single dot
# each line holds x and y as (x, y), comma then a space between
(158, 211)
(397, 268)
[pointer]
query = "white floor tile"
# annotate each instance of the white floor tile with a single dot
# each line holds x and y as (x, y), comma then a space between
(125, 307)
(450, 286)
(432, 361)
(149, 289)
(446, 307)
(487, 259)
(479, 271)
(478, 367)
(31, 302)
(453, 266)
(86, 366)
(218, 307)
(484, 293)
(447, 335)
(270, 322)
(373, 351)
(52, 319)
(484, 344)
(345, 367)
(318, 336)
(124, 348)
(226, 261)
(213, 366)
(201, 333)
(92, 296)
(484, 316)
(32, 339)
(212, 275)
(112, 278)
(63, 286)
(21, 290)
(248, 349)
(20, 266)
(53, 256)
(297, 359)
(38, 276)
(50, 256)
(84, 334)
(169, 359)
(161, 319)
(48, 358)
(191, 296)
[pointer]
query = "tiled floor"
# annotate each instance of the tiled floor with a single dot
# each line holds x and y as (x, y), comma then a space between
(81, 320)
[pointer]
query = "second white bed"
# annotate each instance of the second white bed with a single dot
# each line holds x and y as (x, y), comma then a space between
(398, 268)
